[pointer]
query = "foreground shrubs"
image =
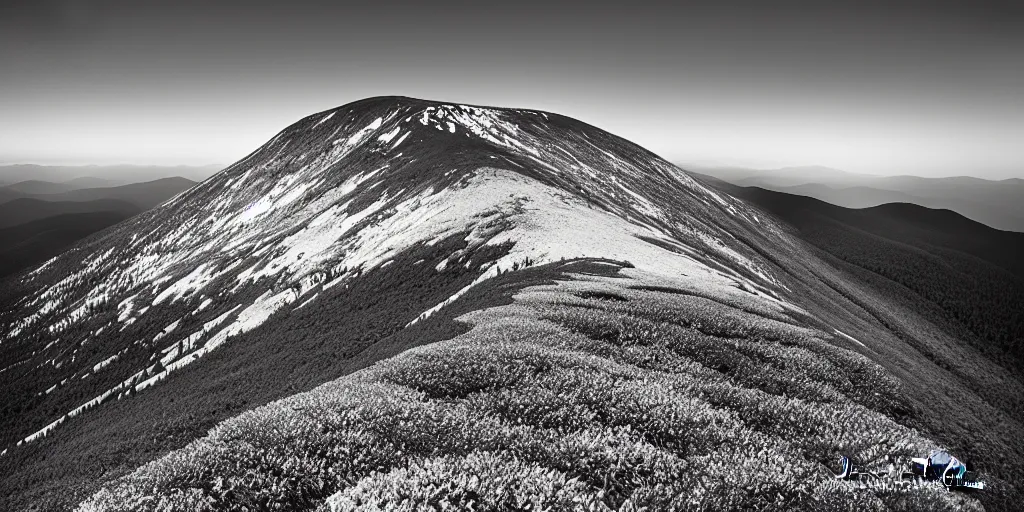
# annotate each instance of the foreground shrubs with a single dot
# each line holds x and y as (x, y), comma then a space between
(479, 481)
(564, 400)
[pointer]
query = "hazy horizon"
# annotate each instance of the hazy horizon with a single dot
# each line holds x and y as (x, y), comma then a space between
(894, 88)
(698, 167)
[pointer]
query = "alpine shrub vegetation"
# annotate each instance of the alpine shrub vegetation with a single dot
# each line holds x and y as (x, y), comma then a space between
(595, 393)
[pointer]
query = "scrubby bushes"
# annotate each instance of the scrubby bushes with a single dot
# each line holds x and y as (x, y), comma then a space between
(479, 481)
(564, 400)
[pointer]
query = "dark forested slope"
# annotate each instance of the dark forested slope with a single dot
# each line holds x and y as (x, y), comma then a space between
(36, 241)
(25, 209)
(972, 272)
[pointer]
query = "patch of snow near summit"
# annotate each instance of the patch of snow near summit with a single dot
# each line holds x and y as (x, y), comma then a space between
(389, 135)
(323, 119)
(167, 330)
(400, 139)
(252, 316)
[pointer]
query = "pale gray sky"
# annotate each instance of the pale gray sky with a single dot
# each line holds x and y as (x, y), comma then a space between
(929, 88)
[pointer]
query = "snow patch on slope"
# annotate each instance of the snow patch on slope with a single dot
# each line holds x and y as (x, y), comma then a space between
(547, 225)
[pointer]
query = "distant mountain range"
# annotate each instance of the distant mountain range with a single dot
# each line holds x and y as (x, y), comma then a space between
(994, 203)
(32, 187)
(90, 176)
(39, 219)
(144, 195)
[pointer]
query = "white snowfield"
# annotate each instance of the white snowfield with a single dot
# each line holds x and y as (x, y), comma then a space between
(288, 225)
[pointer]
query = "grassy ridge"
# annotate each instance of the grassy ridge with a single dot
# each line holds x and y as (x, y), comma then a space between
(589, 394)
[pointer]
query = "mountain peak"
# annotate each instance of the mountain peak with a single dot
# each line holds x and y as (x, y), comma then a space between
(345, 192)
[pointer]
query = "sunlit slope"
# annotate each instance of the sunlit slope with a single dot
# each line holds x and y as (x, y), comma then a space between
(612, 389)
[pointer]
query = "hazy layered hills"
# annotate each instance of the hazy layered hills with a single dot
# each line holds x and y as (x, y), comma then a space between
(992, 202)
(38, 219)
(32, 187)
(144, 195)
(451, 306)
(90, 176)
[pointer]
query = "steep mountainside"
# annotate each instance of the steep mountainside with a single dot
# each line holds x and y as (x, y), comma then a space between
(619, 335)
(970, 272)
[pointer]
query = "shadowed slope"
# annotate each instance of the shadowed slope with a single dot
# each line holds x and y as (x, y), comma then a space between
(20, 211)
(32, 243)
(972, 272)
